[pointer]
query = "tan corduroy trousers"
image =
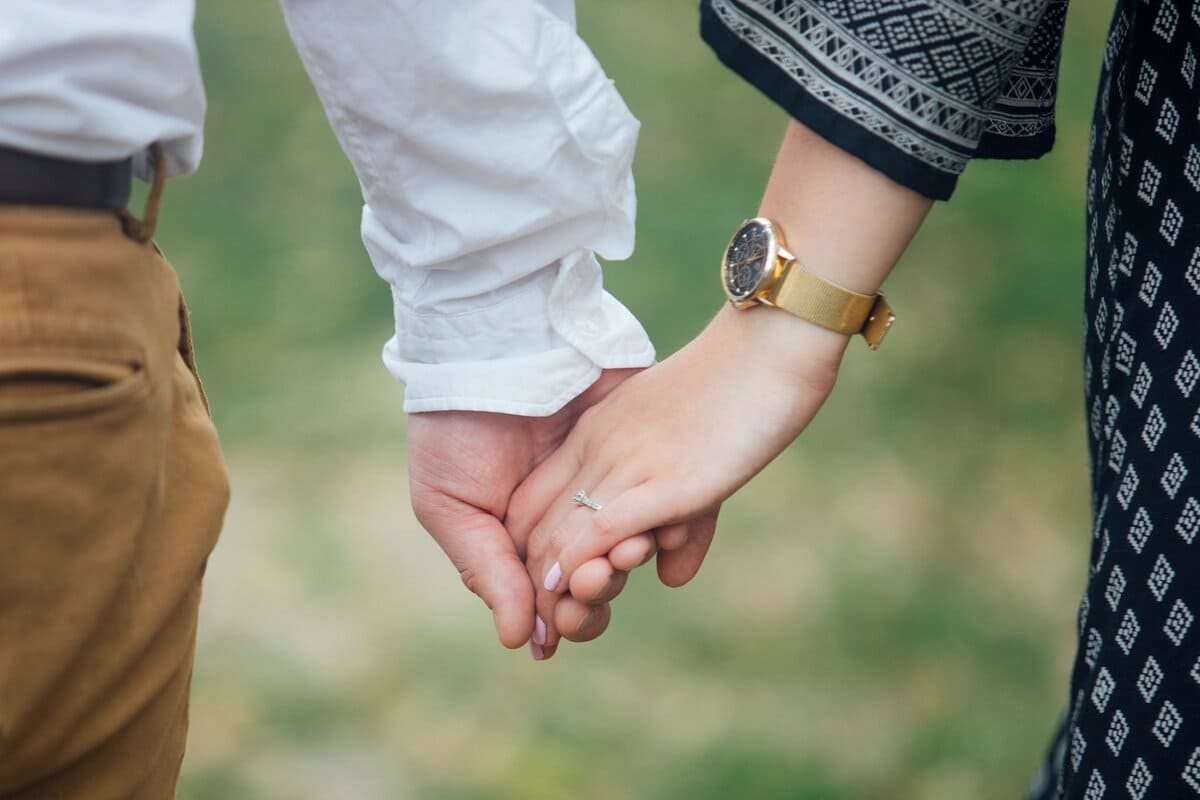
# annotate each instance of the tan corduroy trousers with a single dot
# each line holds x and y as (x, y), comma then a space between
(112, 493)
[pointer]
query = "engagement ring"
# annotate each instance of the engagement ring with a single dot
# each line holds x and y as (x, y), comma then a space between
(581, 499)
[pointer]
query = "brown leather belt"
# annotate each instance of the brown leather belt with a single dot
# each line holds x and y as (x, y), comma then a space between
(27, 179)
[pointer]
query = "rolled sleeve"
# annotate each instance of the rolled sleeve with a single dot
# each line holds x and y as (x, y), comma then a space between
(528, 347)
(495, 158)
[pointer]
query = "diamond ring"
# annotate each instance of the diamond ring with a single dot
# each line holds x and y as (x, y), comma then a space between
(581, 499)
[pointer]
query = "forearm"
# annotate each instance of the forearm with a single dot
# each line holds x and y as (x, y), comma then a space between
(844, 221)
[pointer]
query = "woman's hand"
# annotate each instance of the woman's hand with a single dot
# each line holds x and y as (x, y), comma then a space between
(667, 446)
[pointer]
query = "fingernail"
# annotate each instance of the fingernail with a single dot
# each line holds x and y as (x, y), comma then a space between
(553, 577)
(536, 651)
(587, 620)
(539, 630)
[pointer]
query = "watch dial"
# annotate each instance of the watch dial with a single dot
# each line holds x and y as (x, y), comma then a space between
(747, 259)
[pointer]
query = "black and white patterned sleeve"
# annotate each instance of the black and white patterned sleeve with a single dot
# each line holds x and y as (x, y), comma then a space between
(915, 88)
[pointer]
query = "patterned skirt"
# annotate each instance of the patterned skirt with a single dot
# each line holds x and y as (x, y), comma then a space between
(1132, 724)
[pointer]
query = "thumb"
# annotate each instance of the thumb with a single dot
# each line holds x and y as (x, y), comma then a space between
(486, 559)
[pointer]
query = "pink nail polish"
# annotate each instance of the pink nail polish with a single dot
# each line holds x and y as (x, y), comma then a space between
(553, 577)
(536, 651)
(539, 630)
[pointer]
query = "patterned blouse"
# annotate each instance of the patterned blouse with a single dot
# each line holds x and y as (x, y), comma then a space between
(915, 88)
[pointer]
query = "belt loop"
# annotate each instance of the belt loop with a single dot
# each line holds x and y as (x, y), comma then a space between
(142, 230)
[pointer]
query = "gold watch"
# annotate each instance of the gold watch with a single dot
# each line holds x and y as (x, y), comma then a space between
(758, 269)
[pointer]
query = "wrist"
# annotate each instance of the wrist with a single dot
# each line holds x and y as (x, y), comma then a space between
(845, 221)
(771, 338)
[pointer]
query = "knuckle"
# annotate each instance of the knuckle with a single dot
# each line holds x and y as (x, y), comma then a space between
(536, 543)
(429, 506)
(470, 579)
(587, 420)
(688, 500)
(603, 525)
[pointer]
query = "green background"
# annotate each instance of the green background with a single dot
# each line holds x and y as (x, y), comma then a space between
(888, 609)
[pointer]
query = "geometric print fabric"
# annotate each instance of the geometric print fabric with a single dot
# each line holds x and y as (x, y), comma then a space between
(1132, 726)
(916, 88)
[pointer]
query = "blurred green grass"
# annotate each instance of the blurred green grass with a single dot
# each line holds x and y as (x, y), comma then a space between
(888, 610)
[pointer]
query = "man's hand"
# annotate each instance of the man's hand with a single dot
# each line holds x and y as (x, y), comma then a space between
(463, 469)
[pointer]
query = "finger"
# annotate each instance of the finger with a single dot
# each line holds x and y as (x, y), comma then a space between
(546, 603)
(486, 559)
(560, 517)
(638, 509)
(580, 622)
(589, 581)
(633, 552)
(671, 537)
(535, 496)
(597, 582)
(593, 585)
(677, 567)
(540, 652)
(560, 521)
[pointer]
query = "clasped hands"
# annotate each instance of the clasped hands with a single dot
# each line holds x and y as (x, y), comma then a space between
(465, 468)
(660, 449)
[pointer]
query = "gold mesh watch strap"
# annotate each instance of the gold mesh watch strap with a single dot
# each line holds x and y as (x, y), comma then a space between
(831, 306)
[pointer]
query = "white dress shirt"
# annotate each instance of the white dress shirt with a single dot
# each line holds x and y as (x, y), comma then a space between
(493, 152)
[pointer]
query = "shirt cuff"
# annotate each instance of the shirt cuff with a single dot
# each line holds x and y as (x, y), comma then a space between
(535, 346)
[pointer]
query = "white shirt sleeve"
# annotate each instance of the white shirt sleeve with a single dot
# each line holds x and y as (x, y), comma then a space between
(495, 159)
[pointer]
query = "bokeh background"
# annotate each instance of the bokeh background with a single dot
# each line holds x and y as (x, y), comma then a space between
(888, 609)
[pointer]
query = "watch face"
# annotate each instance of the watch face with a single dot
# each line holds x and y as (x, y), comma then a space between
(751, 255)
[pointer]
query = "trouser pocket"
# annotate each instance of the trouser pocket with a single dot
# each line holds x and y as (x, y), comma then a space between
(54, 367)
